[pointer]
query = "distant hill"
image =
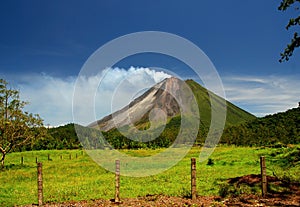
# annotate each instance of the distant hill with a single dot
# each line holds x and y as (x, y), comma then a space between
(271, 130)
(65, 137)
(62, 137)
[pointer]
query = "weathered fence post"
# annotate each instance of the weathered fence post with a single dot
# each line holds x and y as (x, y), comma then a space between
(61, 157)
(193, 179)
(36, 160)
(117, 192)
(70, 156)
(263, 176)
(22, 160)
(40, 183)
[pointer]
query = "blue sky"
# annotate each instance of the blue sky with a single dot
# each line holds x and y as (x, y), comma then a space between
(44, 44)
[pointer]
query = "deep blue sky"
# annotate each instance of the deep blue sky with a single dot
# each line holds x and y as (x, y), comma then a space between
(58, 36)
(242, 38)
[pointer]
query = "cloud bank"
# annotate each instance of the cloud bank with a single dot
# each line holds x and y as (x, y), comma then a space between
(51, 97)
(262, 95)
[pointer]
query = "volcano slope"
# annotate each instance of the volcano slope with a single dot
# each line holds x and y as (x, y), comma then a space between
(159, 113)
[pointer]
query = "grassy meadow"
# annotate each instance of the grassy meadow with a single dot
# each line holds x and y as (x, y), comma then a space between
(79, 178)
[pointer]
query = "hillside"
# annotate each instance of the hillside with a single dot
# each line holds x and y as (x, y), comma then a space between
(234, 115)
(271, 130)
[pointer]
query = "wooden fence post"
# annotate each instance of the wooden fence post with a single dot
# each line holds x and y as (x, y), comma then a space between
(22, 160)
(117, 192)
(40, 183)
(263, 176)
(36, 160)
(193, 179)
(70, 156)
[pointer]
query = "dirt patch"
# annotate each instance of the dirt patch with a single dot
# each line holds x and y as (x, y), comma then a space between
(254, 200)
(168, 201)
(251, 179)
(287, 196)
(147, 201)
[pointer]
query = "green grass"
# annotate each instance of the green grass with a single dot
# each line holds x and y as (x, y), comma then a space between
(82, 179)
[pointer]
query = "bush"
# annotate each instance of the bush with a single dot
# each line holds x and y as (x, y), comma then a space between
(210, 162)
(224, 190)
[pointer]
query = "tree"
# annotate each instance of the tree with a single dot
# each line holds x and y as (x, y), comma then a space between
(295, 41)
(17, 127)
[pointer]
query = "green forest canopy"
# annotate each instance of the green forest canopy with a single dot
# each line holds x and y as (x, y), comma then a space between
(270, 130)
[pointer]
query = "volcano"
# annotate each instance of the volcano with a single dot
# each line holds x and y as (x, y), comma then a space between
(168, 99)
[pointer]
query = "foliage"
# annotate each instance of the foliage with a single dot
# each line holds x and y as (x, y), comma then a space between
(295, 41)
(63, 137)
(17, 128)
(272, 130)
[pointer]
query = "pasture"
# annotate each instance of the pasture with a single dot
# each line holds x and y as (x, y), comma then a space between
(72, 175)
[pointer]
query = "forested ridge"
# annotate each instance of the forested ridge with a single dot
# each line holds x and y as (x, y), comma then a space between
(271, 130)
(62, 137)
(277, 129)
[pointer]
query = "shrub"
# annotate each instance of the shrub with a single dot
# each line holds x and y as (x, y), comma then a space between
(210, 162)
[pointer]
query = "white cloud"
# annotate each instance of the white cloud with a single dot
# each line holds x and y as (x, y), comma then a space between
(49, 97)
(52, 97)
(264, 94)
